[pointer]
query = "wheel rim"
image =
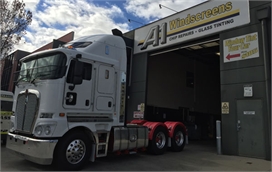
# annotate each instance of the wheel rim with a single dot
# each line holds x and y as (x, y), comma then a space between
(75, 151)
(160, 140)
(179, 138)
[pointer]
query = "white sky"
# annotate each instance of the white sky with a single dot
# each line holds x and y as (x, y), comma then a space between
(54, 18)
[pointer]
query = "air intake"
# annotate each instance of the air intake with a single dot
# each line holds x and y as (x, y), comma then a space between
(117, 32)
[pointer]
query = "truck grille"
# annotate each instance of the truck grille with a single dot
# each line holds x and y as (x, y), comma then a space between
(27, 104)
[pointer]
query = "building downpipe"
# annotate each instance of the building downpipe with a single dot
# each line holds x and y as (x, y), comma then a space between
(263, 15)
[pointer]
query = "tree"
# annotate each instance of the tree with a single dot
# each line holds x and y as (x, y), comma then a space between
(14, 21)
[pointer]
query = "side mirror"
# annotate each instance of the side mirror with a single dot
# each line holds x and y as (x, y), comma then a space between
(77, 74)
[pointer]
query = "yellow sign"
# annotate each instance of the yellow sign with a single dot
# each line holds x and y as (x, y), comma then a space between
(241, 47)
(225, 108)
(6, 113)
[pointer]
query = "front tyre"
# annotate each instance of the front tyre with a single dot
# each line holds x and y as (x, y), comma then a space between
(158, 144)
(178, 140)
(72, 152)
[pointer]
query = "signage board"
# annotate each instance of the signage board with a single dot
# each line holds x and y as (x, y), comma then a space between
(225, 108)
(241, 48)
(248, 91)
(138, 114)
(207, 18)
(249, 112)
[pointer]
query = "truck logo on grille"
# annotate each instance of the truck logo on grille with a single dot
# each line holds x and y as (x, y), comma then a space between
(26, 98)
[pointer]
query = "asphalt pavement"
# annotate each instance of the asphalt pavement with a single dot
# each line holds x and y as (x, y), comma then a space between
(194, 157)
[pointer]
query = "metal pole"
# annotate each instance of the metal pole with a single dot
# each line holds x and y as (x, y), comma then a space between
(160, 5)
(218, 136)
(266, 73)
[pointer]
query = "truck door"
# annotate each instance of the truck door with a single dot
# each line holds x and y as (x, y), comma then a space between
(105, 90)
(80, 96)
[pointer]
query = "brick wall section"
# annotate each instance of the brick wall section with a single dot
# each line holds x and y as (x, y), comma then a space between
(17, 55)
(66, 38)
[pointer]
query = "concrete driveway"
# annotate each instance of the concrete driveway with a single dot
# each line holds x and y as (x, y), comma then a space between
(195, 157)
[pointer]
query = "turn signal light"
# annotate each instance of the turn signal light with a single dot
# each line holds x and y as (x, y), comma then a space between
(61, 114)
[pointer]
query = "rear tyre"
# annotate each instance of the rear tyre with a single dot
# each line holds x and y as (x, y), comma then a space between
(178, 140)
(72, 152)
(158, 144)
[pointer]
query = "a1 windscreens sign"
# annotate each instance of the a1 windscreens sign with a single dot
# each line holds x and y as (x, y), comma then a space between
(207, 18)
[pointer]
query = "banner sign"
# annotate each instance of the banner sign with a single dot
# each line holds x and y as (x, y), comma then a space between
(204, 19)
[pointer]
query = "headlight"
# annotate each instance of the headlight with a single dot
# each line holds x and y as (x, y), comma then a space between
(38, 130)
(47, 130)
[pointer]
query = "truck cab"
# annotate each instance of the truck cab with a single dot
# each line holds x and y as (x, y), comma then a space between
(70, 106)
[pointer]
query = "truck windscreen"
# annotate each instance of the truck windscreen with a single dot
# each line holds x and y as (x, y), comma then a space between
(45, 66)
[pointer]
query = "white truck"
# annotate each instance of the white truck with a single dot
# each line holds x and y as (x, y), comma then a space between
(6, 112)
(70, 106)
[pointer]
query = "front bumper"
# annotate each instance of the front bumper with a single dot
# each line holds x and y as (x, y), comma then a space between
(35, 150)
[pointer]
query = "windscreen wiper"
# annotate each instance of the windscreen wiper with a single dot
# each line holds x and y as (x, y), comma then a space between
(39, 76)
(17, 82)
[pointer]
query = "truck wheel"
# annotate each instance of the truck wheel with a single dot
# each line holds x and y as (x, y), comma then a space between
(158, 144)
(178, 140)
(72, 152)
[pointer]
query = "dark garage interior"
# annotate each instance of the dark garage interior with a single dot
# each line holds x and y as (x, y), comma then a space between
(183, 84)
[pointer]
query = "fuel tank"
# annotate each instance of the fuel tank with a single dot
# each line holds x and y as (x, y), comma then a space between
(128, 138)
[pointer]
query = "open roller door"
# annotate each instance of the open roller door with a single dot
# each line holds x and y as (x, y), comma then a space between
(183, 84)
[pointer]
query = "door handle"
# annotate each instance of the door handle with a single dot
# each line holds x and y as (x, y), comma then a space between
(238, 125)
(109, 104)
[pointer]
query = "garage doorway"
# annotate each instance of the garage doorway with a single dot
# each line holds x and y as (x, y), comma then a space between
(183, 84)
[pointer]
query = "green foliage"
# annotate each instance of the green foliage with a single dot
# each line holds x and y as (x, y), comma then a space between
(14, 20)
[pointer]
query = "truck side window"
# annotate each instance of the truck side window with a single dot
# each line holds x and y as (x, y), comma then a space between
(87, 71)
